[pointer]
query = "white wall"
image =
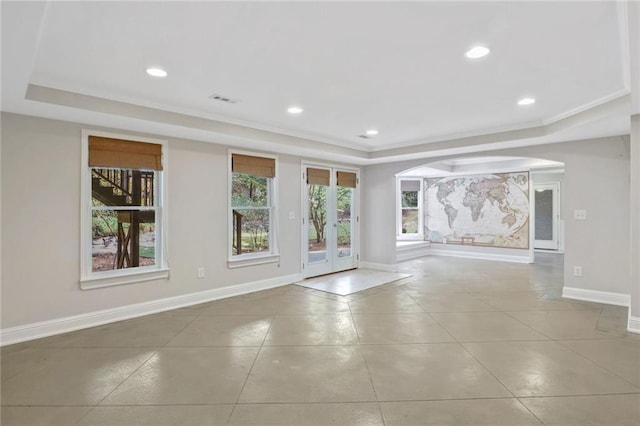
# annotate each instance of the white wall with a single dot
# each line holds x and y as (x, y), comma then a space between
(596, 179)
(41, 215)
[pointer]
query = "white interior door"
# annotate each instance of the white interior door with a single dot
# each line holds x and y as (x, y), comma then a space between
(546, 215)
(330, 220)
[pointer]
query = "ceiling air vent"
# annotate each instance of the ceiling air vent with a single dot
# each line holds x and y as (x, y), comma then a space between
(222, 98)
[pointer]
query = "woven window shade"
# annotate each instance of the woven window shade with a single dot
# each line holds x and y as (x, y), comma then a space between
(318, 176)
(123, 154)
(347, 179)
(256, 166)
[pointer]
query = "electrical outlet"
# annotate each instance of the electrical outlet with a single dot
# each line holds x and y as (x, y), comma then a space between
(201, 272)
(580, 214)
(577, 271)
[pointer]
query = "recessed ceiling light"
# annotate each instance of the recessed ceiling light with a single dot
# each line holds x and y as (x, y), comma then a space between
(526, 101)
(477, 52)
(156, 72)
(372, 132)
(294, 110)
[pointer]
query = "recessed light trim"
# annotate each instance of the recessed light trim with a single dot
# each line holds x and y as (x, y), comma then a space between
(477, 52)
(372, 132)
(156, 72)
(294, 110)
(526, 101)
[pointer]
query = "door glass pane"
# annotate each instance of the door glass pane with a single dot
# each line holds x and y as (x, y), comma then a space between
(317, 220)
(344, 204)
(544, 214)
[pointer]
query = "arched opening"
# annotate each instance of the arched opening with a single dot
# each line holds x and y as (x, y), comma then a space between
(500, 208)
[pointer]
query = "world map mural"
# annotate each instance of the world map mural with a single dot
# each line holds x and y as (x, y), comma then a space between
(490, 210)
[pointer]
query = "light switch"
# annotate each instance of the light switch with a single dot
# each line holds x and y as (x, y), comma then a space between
(292, 215)
(580, 214)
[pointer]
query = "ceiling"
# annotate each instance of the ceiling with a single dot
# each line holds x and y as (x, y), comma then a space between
(481, 165)
(392, 66)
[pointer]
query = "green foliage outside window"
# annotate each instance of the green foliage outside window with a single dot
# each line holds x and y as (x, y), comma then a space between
(251, 204)
(409, 198)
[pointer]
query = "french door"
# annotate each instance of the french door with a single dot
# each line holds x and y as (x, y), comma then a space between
(546, 216)
(330, 220)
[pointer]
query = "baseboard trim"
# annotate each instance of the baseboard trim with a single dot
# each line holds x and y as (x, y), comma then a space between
(549, 251)
(412, 253)
(634, 324)
(41, 329)
(606, 297)
(387, 267)
(484, 256)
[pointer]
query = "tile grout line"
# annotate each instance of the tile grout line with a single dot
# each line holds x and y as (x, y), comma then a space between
(264, 339)
(93, 407)
(493, 375)
(529, 410)
(560, 342)
(508, 313)
(325, 402)
(482, 365)
(366, 364)
(155, 352)
(476, 359)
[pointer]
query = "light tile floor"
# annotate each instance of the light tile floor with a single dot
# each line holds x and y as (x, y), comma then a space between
(352, 281)
(461, 341)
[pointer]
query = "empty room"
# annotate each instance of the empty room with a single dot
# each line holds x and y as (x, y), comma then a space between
(320, 213)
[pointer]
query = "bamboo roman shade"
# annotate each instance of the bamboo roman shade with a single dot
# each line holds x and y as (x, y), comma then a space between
(347, 179)
(318, 176)
(123, 154)
(256, 166)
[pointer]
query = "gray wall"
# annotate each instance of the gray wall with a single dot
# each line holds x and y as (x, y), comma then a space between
(41, 215)
(596, 180)
(40, 211)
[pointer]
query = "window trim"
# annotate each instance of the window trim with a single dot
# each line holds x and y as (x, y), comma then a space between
(251, 259)
(90, 279)
(420, 234)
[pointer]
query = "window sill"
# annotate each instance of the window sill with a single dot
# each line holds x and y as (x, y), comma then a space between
(405, 237)
(129, 277)
(252, 260)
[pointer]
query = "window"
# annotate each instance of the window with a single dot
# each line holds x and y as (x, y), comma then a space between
(410, 208)
(252, 207)
(122, 198)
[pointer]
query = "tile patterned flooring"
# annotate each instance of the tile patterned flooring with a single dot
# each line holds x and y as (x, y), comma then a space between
(460, 342)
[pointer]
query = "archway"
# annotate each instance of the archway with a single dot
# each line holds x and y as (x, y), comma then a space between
(498, 207)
